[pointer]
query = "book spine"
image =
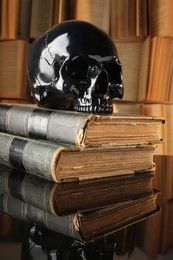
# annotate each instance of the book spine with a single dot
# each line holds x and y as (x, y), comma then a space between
(28, 188)
(46, 124)
(36, 157)
(23, 211)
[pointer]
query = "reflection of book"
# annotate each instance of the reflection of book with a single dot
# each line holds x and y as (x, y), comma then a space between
(78, 128)
(63, 163)
(65, 198)
(13, 74)
(84, 226)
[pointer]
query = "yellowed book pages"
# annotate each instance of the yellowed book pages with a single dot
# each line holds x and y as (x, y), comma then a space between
(130, 57)
(41, 17)
(119, 19)
(126, 108)
(165, 111)
(94, 11)
(13, 17)
(64, 10)
(169, 69)
(151, 68)
(170, 98)
(123, 19)
(160, 70)
(131, 22)
(144, 69)
(115, 19)
(4, 19)
(141, 19)
(160, 17)
(128, 20)
(135, 58)
(157, 89)
(9, 19)
(13, 74)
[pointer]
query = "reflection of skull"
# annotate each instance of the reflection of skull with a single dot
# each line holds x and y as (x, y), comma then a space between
(75, 66)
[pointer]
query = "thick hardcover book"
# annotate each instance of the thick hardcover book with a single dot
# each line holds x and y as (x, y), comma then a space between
(65, 163)
(86, 226)
(66, 198)
(78, 128)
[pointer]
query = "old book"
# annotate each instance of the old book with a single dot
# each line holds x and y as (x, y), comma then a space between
(96, 12)
(65, 198)
(86, 130)
(62, 10)
(160, 70)
(15, 19)
(126, 108)
(135, 76)
(63, 163)
(128, 20)
(13, 74)
(164, 110)
(160, 18)
(86, 226)
(41, 17)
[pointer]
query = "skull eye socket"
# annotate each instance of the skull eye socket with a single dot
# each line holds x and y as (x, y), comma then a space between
(113, 69)
(78, 68)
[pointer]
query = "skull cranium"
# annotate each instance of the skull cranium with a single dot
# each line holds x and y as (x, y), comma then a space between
(75, 66)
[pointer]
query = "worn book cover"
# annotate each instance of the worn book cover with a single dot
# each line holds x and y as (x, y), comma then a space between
(86, 130)
(67, 163)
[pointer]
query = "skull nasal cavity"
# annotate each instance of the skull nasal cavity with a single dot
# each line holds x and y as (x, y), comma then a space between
(102, 81)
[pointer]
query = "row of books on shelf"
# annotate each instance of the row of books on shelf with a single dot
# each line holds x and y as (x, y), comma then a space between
(148, 78)
(28, 19)
(91, 175)
(122, 19)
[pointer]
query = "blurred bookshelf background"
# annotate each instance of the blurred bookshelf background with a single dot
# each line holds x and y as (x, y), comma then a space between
(142, 31)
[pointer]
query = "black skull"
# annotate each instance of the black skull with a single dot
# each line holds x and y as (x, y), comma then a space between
(75, 66)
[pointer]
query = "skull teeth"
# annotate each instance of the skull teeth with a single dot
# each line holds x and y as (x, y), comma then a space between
(94, 109)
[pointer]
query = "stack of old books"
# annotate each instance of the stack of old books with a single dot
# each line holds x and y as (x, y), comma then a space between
(85, 176)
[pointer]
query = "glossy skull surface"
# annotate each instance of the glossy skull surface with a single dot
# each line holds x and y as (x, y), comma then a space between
(75, 66)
